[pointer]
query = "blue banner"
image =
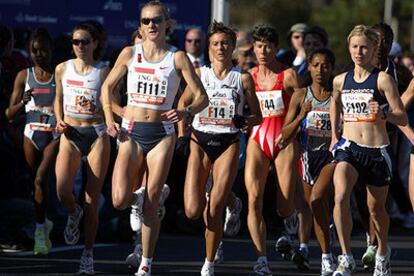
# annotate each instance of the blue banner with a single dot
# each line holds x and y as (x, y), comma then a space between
(119, 17)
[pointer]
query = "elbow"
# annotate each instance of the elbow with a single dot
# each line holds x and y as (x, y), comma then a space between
(204, 102)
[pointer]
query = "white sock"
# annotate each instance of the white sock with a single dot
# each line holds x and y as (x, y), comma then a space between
(304, 247)
(146, 262)
(208, 264)
(328, 255)
(262, 259)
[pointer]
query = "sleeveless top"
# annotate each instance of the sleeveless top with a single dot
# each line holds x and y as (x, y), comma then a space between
(356, 96)
(315, 133)
(226, 98)
(39, 110)
(77, 88)
(152, 85)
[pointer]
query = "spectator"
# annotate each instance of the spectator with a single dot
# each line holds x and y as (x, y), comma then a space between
(295, 55)
(195, 43)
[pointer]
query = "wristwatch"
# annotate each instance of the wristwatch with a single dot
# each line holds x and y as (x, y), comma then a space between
(188, 110)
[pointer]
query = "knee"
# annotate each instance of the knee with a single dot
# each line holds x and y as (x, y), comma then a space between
(119, 202)
(341, 200)
(377, 212)
(316, 202)
(150, 207)
(193, 212)
(38, 181)
(255, 205)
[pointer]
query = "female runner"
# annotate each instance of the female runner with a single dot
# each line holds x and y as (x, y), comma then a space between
(147, 136)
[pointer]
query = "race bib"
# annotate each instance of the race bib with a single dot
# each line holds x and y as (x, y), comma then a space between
(41, 127)
(271, 103)
(318, 123)
(149, 88)
(77, 98)
(356, 107)
(220, 110)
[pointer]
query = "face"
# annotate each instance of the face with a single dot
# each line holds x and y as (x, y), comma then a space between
(312, 42)
(220, 47)
(265, 51)
(297, 40)
(384, 45)
(40, 52)
(245, 59)
(361, 49)
(153, 24)
(408, 62)
(83, 44)
(194, 42)
(320, 69)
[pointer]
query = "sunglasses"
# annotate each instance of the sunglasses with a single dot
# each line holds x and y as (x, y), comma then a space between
(84, 42)
(156, 20)
(193, 40)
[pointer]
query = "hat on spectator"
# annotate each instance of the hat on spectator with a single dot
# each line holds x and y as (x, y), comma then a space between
(396, 50)
(298, 28)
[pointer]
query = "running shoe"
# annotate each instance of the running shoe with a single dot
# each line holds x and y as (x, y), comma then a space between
(134, 259)
(368, 259)
(163, 197)
(207, 271)
(48, 229)
(86, 263)
(261, 268)
(219, 257)
(40, 247)
(144, 271)
(284, 246)
(71, 232)
(327, 266)
(345, 267)
(136, 216)
(232, 221)
(301, 259)
(382, 265)
(292, 224)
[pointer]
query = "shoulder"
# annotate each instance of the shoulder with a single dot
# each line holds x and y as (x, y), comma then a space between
(127, 53)
(339, 79)
(60, 68)
(298, 95)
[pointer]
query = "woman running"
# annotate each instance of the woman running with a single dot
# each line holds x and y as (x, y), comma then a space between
(80, 119)
(34, 91)
(309, 112)
(363, 95)
(147, 136)
(215, 138)
(274, 86)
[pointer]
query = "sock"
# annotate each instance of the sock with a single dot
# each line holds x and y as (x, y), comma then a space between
(87, 252)
(262, 259)
(327, 255)
(40, 227)
(304, 247)
(208, 264)
(145, 264)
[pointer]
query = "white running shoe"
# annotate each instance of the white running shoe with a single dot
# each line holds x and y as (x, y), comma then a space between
(232, 221)
(207, 271)
(327, 266)
(382, 265)
(163, 197)
(219, 257)
(86, 264)
(261, 268)
(137, 211)
(71, 232)
(134, 259)
(345, 266)
(144, 271)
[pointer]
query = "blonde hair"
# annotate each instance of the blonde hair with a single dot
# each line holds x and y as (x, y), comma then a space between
(363, 30)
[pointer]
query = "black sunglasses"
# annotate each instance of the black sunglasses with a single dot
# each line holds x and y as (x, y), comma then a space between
(193, 40)
(156, 20)
(84, 42)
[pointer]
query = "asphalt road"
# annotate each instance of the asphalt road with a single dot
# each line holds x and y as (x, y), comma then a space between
(184, 254)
